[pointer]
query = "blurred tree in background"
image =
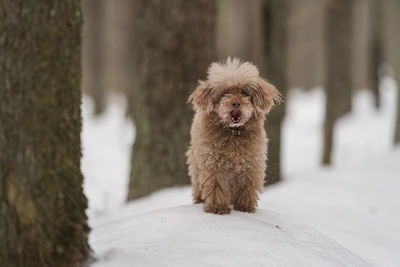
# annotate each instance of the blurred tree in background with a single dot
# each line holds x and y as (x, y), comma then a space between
(375, 48)
(94, 52)
(175, 43)
(305, 44)
(391, 21)
(275, 22)
(361, 67)
(42, 205)
(338, 87)
(240, 31)
(122, 56)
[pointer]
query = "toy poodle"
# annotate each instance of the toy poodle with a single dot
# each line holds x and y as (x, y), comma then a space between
(228, 150)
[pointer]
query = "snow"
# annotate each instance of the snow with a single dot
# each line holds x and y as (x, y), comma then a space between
(186, 236)
(106, 147)
(359, 207)
(346, 214)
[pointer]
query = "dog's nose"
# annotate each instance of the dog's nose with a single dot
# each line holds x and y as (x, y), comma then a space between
(236, 104)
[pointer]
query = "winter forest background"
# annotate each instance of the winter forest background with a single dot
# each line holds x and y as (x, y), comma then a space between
(109, 80)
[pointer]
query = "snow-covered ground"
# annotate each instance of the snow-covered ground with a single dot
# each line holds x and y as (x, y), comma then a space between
(347, 214)
(186, 236)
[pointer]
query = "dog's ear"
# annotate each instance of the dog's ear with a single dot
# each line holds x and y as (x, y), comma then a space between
(265, 96)
(201, 98)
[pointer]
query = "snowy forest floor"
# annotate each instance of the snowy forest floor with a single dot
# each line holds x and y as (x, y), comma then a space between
(344, 215)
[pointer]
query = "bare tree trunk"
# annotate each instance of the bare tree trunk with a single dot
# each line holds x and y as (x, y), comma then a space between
(397, 129)
(240, 32)
(123, 37)
(42, 206)
(305, 44)
(375, 52)
(174, 46)
(275, 32)
(361, 44)
(338, 68)
(391, 22)
(94, 53)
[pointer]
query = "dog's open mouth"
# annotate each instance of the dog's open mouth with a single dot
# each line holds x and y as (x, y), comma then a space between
(235, 114)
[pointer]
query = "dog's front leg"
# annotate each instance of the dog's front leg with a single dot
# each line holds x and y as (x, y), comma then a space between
(216, 194)
(196, 192)
(245, 195)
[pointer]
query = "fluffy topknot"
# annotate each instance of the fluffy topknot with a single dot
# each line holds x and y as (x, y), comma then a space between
(232, 72)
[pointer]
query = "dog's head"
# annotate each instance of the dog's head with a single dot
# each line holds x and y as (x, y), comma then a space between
(234, 91)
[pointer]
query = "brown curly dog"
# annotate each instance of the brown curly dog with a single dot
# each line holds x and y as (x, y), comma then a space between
(228, 150)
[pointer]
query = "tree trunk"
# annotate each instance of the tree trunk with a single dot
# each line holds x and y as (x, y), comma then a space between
(94, 53)
(275, 32)
(338, 69)
(376, 60)
(391, 22)
(362, 24)
(174, 46)
(239, 31)
(42, 206)
(305, 44)
(375, 49)
(397, 129)
(123, 37)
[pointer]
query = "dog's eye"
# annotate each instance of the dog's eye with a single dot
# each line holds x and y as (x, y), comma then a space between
(243, 93)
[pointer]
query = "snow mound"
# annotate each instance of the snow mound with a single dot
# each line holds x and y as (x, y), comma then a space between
(187, 236)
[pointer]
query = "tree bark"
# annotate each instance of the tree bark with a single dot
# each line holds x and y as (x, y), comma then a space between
(275, 31)
(42, 206)
(338, 69)
(174, 46)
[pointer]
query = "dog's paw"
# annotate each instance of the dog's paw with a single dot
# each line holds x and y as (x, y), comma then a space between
(217, 209)
(249, 209)
(197, 200)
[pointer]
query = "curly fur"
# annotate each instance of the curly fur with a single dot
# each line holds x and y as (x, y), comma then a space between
(227, 155)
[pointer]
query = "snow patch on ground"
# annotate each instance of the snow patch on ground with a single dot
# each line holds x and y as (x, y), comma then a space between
(358, 207)
(186, 236)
